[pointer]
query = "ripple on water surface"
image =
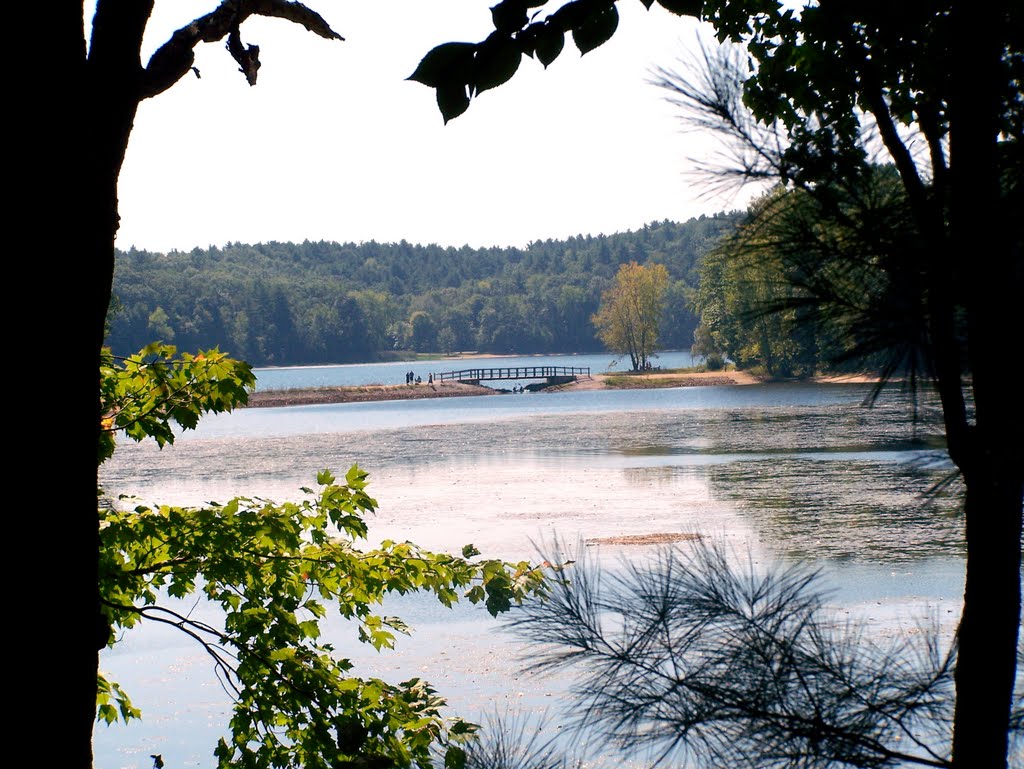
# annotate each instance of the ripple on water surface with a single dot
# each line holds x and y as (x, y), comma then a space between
(779, 472)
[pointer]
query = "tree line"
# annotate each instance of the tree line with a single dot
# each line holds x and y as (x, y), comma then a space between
(817, 283)
(326, 302)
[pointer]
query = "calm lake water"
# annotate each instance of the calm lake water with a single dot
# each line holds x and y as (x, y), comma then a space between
(780, 472)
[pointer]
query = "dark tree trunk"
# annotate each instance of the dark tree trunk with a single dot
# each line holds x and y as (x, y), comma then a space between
(77, 241)
(986, 665)
(93, 115)
(988, 453)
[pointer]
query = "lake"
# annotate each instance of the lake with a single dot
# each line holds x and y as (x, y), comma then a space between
(782, 472)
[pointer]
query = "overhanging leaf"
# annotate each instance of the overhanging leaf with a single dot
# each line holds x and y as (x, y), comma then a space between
(452, 100)
(549, 43)
(569, 16)
(445, 64)
(596, 29)
(454, 758)
(509, 16)
(681, 7)
(497, 59)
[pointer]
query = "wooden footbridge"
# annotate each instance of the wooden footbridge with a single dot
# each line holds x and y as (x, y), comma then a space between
(553, 374)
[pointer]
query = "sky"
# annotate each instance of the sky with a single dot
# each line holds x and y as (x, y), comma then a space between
(334, 143)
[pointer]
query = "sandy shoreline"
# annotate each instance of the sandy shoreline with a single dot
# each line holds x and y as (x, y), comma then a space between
(365, 393)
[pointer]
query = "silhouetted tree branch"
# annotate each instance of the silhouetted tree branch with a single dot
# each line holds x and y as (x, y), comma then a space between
(176, 57)
(740, 665)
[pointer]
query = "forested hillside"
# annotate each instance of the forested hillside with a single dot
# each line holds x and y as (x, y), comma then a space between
(288, 303)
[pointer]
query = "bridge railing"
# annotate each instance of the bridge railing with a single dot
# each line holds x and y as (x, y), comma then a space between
(512, 372)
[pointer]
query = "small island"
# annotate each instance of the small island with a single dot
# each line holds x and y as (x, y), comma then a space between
(380, 392)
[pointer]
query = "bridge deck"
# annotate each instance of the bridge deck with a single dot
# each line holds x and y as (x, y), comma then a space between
(513, 372)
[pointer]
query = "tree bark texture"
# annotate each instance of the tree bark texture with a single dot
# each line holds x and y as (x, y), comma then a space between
(989, 452)
(105, 105)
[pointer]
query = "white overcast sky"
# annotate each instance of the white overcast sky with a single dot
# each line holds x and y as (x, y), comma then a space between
(333, 143)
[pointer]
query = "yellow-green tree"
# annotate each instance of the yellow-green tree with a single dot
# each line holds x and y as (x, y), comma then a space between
(630, 312)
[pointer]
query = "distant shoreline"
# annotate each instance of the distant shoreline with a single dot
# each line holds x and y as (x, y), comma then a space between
(363, 393)
(374, 392)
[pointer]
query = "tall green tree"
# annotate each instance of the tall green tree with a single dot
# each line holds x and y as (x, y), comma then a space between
(737, 288)
(631, 310)
(882, 260)
(805, 288)
(84, 119)
(936, 87)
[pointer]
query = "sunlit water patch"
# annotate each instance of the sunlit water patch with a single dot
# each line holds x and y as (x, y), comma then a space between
(779, 472)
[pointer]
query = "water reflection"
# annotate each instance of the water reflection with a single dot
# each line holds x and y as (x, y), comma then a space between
(874, 510)
(643, 405)
(781, 471)
(825, 479)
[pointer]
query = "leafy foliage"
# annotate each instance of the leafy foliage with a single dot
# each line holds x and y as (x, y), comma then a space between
(630, 316)
(143, 394)
(294, 303)
(813, 283)
(274, 571)
(519, 32)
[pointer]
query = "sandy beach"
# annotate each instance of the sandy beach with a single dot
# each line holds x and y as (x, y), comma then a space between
(375, 392)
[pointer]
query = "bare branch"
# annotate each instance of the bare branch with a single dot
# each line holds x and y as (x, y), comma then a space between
(176, 57)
